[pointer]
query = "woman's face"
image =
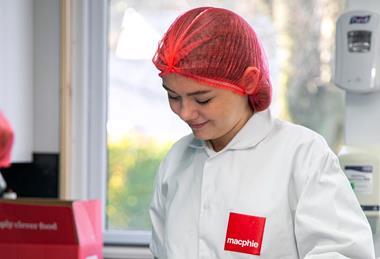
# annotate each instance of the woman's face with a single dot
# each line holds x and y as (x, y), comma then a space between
(212, 113)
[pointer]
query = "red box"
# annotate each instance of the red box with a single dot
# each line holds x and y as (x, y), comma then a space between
(50, 229)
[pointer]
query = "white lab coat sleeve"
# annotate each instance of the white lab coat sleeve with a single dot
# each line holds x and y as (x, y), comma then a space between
(328, 220)
(157, 216)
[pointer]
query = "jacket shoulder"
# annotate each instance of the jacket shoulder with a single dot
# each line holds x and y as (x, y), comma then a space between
(300, 135)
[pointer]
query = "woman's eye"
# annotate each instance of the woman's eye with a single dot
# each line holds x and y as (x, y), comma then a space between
(171, 97)
(203, 101)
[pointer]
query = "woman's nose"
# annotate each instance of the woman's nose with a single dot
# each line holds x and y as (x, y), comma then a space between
(187, 111)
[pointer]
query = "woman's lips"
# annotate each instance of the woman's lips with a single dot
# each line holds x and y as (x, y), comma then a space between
(197, 125)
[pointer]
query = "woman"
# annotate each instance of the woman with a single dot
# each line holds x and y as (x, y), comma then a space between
(6, 142)
(243, 184)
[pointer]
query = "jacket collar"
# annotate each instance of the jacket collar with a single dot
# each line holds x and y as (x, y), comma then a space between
(253, 132)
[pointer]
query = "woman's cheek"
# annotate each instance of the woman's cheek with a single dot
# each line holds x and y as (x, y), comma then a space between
(174, 106)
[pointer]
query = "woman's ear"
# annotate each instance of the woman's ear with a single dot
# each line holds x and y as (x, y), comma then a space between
(251, 79)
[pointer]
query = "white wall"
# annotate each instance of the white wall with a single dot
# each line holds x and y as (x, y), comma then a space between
(46, 76)
(29, 74)
(373, 5)
(16, 72)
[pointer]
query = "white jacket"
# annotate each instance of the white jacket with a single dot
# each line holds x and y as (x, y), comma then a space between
(275, 191)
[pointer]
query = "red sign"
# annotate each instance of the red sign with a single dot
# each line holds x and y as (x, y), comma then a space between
(244, 233)
(46, 229)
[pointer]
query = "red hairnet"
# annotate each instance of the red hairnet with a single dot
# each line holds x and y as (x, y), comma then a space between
(6, 141)
(215, 46)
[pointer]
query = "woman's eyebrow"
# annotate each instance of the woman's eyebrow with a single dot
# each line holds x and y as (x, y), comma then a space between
(189, 94)
(167, 88)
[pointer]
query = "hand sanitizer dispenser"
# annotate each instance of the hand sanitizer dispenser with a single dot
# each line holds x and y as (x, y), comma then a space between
(358, 51)
(357, 64)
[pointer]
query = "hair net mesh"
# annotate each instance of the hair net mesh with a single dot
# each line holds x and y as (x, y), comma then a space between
(6, 141)
(215, 46)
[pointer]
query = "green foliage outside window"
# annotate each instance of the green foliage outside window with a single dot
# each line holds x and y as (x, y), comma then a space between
(132, 166)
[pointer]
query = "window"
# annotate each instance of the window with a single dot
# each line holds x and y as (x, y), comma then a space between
(140, 127)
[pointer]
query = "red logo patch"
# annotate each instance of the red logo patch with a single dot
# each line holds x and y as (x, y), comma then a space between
(244, 233)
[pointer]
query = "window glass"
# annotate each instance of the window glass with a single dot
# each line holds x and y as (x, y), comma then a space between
(141, 127)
